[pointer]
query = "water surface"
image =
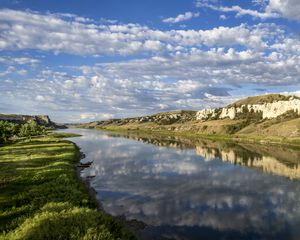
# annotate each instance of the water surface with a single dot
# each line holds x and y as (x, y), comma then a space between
(195, 189)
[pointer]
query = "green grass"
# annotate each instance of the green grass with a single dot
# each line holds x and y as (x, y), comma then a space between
(42, 198)
(272, 140)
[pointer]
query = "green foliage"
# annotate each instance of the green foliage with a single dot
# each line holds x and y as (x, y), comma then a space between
(42, 198)
(234, 128)
(251, 116)
(31, 129)
(218, 112)
(9, 130)
(288, 115)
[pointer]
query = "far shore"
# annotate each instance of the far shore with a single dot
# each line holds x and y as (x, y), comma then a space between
(245, 138)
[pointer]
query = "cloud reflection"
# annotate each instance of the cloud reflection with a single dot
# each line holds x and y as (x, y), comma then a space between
(186, 185)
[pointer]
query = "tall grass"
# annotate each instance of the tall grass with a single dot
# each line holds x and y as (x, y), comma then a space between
(42, 198)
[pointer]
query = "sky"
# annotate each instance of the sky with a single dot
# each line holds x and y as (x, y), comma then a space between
(81, 61)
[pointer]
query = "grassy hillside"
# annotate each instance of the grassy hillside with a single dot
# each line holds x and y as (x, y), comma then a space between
(245, 123)
(42, 198)
(288, 128)
(269, 98)
(280, 127)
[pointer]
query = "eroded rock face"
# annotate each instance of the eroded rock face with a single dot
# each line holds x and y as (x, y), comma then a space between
(206, 114)
(268, 110)
(43, 120)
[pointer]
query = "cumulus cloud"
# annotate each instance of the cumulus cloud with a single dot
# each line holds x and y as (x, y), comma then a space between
(181, 17)
(166, 70)
(286, 8)
(148, 85)
(269, 8)
(29, 30)
(7, 60)
(52, 32)
(238, 10)
(95, 116)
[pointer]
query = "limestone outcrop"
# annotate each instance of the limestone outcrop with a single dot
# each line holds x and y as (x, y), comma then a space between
(268, 110)
(43, 120)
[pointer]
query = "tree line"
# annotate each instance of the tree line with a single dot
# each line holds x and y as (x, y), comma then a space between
(10, 130)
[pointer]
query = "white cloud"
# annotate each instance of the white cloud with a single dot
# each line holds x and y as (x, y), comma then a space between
(223, 17)
(153, 84)
(181, 17)
(95, 116)
(27, 30)
(22, 72)
(40, 98)
(18, 60)
(286, 8)
(269, 8)
(7, 71)
(167, 70)
(238, 10)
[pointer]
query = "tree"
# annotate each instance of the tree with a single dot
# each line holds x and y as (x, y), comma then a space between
(7, 130)
(31, 129)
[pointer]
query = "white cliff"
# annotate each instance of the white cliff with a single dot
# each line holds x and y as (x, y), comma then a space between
(268, 110)
(206, 113)
(267, 164)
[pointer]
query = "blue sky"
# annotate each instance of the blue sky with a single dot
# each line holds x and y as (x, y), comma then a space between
(92, 60)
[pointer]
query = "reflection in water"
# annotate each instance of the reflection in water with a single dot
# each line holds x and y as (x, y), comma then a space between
(184, 191)
(271, 159)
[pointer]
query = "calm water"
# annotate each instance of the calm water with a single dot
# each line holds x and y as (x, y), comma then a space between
(185, 189)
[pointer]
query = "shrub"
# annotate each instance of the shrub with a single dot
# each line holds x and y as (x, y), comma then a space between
(31, 129)
(9, 130)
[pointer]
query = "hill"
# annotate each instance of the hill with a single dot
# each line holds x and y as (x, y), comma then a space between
(163, 118)
(42, 120)
(260, 116)
(269, 98)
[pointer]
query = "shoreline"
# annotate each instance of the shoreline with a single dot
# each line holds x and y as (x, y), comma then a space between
(133, 225)
(40, 190)
(241, 138)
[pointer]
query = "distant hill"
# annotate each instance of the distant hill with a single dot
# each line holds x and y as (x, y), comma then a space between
(267, 115)
(163, 118)
(42, 120)
(269, 98)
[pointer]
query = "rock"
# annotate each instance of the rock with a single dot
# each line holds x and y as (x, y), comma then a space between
(43, 120)
(268, 110)
(206, 114)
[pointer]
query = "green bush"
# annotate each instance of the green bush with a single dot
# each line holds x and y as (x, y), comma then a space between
(9, 130)
(234, 128)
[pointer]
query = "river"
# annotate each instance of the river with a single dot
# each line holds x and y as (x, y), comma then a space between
(195, 189)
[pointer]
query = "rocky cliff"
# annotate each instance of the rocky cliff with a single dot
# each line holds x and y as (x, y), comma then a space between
(262, 110)
(43, 120)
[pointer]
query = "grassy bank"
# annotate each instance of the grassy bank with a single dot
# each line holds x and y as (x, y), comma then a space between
(42, 198)
(292, 141)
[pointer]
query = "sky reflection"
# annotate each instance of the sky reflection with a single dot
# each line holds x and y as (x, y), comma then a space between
(195, 188)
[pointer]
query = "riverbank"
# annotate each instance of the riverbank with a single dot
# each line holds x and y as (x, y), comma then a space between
(242, 138)
(42, 198)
